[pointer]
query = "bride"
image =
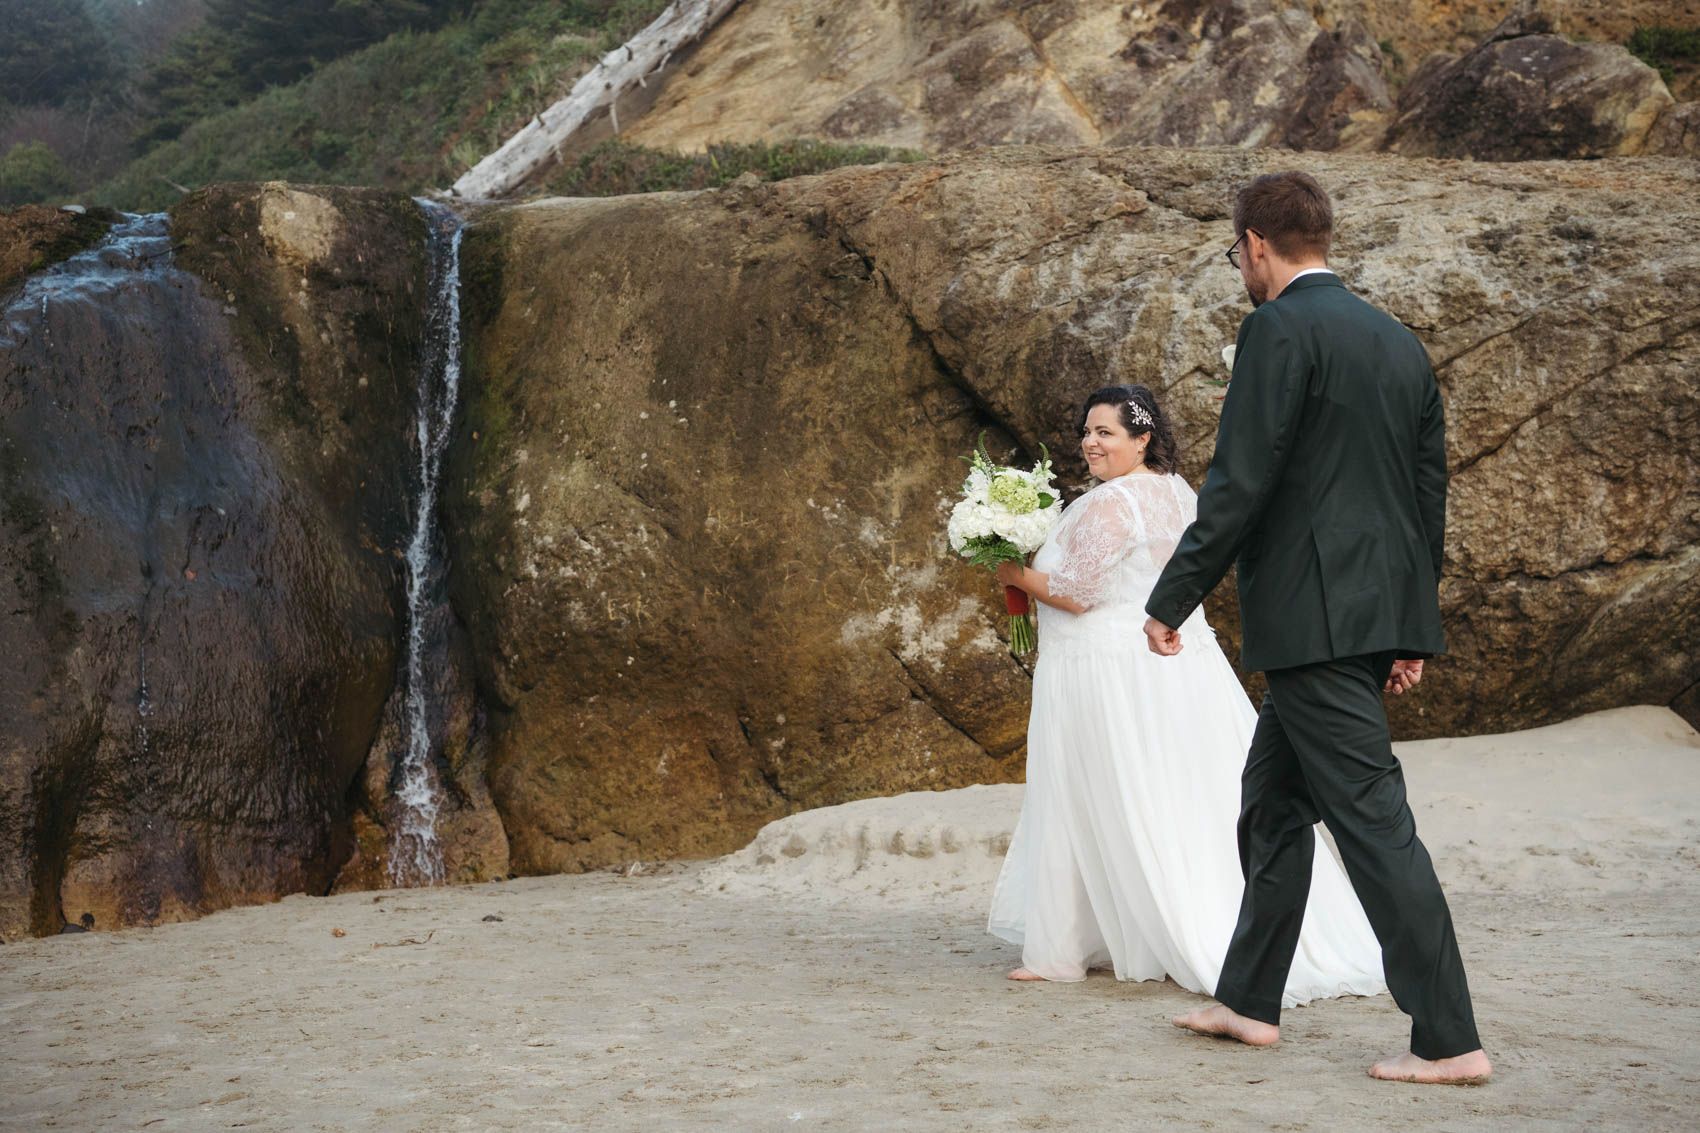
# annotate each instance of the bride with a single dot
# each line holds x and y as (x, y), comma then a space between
(1125, 853)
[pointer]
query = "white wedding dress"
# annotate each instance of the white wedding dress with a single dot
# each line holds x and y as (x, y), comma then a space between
(1126, 853)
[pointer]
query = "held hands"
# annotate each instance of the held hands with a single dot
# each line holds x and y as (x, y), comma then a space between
(1164, 642)
(1405, 676)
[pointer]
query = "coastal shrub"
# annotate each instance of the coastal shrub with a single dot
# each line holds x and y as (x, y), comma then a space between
(31, 173)
(615, 168)
(1660, 47)
(411, 112)
(244, 47)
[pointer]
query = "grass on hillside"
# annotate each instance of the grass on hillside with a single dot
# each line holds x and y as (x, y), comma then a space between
(615, 168)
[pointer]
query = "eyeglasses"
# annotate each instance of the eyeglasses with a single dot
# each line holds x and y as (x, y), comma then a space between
(1233, 252)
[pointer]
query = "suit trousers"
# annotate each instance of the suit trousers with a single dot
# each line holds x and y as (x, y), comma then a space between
(1322, 752)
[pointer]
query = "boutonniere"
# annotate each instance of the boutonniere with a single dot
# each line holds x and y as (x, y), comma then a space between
(1228, 361)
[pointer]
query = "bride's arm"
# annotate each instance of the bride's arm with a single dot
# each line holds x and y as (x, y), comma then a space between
(1099, 537)
(1037, 584)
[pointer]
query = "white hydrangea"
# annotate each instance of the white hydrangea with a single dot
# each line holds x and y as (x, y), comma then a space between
(1014, 493)
(1014, 514)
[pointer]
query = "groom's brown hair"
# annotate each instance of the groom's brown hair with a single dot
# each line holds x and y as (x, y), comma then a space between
(1290, 210)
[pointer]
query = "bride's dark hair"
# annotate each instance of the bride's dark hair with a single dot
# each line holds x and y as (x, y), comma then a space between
(1161, 452)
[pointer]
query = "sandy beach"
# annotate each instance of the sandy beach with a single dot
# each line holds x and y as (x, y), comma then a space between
(836, 975)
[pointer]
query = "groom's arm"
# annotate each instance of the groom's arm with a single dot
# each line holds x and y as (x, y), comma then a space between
(1253, 442)
(1431, 474)
(1431, 495)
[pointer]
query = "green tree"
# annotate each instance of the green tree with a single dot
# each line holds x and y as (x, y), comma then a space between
(245, 46)
(52, 50)
(1660, 47)
(144, 29)
(31, 172)
(197, 77)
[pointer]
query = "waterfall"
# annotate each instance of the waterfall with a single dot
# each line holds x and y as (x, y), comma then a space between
(416, 855)
(130, 247)
(139, 245)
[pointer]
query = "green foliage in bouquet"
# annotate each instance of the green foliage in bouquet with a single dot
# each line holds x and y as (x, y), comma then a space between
(981, 461)
(990, 552)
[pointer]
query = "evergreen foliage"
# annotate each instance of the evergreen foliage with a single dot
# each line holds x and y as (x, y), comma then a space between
(52, 51)
(1659, 47)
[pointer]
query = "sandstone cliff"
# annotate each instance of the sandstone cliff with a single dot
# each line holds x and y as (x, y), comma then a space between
(697, 503)
(1488, 79)
(695, 500)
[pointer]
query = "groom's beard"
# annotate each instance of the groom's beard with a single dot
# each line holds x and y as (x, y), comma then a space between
(1255, 301)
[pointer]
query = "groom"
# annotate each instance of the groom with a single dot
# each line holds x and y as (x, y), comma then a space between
(1328, 486)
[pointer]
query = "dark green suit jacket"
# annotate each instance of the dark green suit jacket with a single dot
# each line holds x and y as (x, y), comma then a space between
(1328, 486)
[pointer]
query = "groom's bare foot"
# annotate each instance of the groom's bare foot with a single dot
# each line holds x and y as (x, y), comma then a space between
(1224, 1022)
(1471, 1069)
(1024, 974)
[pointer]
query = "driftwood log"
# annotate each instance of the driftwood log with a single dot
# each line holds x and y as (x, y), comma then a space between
(539, 142)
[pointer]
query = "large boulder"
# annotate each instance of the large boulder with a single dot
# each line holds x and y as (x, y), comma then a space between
(204, 474)
(1527, 92)
(1677, 132)
(1412, 30)
(696, 505)
(694, 516)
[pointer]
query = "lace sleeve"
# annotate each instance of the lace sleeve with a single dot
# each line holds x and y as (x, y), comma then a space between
(1170, 507)
(1099, 537)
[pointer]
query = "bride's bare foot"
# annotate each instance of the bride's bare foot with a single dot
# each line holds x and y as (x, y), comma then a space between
(1224, 1022)
(1471, 1069)
(1024, 974)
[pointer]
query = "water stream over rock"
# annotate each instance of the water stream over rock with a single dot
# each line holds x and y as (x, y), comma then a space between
(416, 854)
(206, 476)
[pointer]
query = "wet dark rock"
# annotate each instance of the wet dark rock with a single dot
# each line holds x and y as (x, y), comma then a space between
(469, 832)
(35, 237)
(203, 480)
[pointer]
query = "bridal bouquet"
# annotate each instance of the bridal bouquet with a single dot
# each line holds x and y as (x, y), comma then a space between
(1004, 516)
